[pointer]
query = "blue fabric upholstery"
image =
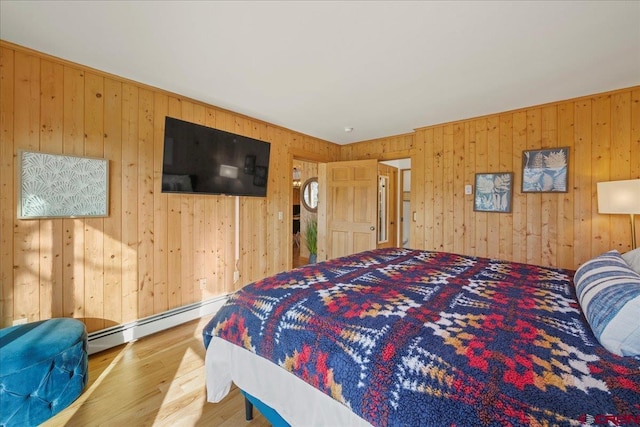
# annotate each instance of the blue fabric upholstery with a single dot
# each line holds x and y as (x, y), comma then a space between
(268, 412)
(43, 369)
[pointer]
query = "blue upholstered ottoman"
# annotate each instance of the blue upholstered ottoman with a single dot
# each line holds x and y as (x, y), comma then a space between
(43, 368)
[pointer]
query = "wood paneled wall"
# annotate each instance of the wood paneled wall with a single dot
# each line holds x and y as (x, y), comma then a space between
(389, 148)
(150, 253)
(561, 229)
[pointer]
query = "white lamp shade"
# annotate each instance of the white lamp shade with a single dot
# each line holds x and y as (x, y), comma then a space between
(619, 197)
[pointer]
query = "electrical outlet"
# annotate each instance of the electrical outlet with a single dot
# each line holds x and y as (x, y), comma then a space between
(468, 189)
(203, 283)
(236, 276)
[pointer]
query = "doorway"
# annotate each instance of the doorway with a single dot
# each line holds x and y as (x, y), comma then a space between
(303, 210)
(395, 202)
(394, 194)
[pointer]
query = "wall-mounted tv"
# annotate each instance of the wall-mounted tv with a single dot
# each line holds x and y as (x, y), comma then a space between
(200, 159)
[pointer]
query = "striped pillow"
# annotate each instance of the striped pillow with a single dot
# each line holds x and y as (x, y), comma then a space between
(609, 294)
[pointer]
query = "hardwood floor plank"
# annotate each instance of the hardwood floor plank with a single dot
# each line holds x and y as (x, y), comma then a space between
(155, 381)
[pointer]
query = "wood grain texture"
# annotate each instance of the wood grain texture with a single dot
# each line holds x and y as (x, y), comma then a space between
(157, 381)
(7, 184)
(150, 253)
(556, 229)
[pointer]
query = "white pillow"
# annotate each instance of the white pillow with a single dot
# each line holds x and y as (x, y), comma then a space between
(633, 259)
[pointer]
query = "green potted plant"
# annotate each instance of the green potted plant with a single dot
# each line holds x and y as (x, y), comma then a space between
(311, 239)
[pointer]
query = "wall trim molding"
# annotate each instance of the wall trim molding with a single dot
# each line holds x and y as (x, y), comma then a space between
(120, 334)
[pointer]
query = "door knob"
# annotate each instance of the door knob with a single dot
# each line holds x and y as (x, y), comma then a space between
(372, 228)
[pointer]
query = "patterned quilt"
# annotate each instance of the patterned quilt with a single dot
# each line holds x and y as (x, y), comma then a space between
(416, 338)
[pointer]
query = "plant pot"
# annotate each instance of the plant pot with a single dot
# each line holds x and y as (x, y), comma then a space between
(313, 258)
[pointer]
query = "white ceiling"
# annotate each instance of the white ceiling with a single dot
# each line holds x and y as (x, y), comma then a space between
(381, 67)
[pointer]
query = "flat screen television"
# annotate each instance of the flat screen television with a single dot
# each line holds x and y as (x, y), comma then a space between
(200, 159)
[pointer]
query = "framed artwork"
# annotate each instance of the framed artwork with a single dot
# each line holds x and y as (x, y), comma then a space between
(58, 186)
(545, 171)
(493, 192)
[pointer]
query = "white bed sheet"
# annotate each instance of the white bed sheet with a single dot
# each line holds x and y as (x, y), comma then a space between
(299, 403)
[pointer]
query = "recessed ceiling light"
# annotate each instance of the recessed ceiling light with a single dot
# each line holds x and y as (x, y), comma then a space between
(348, 129)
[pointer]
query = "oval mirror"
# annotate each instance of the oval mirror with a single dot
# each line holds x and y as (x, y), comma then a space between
(310, 194)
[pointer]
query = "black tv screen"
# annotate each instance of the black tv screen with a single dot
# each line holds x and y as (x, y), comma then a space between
(200, 159)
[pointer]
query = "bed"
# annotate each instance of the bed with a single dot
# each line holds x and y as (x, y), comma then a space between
(401, 337)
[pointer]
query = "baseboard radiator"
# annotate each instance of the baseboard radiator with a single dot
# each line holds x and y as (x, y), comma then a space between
(120, 334)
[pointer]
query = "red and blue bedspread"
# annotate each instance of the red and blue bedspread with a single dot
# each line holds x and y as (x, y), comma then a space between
(414, 338)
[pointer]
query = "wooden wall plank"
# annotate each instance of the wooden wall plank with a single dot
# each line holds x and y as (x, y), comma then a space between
(635, 144)
(51, 118)
(73, 229)
(210, 221)
(437, 199)
(277, 195)
(7, 185)
(94, 227)
(601, 143)
(470, 173)
(427, 176)
(26, 244)
(460, 201)
(160, 209)
(635, 134)
(113, 245)
(565, 218)
(186, 230)
(145, 203)
(505, 148)
(226, 228)
(246, 234)
(549, 201)
(174, 232)
(534, 200)
(129, 195)
(619, 232)
(583, 188)
(482, 166)
(519, 198)
(198, 238)
(418, 192)
(448, 191)
(493, 165)
(280, 199)
(227, 212)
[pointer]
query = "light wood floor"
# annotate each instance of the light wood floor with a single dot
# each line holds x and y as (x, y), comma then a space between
(297, 260)
(155, 381)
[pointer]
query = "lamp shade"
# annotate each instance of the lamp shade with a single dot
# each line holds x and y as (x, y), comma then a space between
(619, 197)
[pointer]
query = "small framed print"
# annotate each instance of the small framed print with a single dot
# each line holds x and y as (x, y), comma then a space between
(545, 171)
(493, 192)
